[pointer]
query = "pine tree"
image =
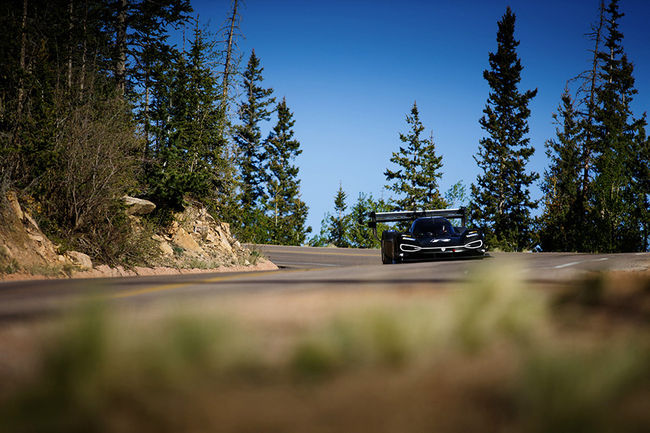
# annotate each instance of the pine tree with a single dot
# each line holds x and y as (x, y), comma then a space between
(150, 53)
(66, 135)
(230, 55)
(229, 59)
(641, 186)
(456, 196)
(501, 199)
(203, 125)
(138, 27)
(614, 200)
(250, 224)
(190, 153)
(359, 233)
(590, 81)
(287, 212)
(334, 227)
(338, 223)
(561, 224)
(415, 182)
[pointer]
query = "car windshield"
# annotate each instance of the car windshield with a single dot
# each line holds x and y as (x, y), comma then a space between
(432, 227)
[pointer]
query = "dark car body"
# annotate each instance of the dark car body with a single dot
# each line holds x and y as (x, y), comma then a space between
(431, 236)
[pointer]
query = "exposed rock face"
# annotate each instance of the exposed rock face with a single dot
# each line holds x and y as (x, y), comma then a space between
(184, 240)
(195, 238)
(21, 240)
(14, 205)
(138, 206)
(23, 246)
(80, 259)
(165, 249)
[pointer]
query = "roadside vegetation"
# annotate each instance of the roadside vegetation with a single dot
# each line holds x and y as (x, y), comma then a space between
(492, 355)
(96, 103)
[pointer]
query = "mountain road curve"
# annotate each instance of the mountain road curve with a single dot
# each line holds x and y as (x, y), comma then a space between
(301, 269)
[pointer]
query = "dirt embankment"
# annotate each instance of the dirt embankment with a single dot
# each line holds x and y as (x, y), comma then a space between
(194, 242)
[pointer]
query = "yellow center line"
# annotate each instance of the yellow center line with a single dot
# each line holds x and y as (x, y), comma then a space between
(326, 254)
(166, 287)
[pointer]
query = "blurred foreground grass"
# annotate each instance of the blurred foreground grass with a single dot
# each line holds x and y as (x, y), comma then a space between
(493, 355)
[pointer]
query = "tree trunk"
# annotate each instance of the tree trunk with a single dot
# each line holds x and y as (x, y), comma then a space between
(70, 42)
(120, 68)
(21, 78)
(586, 155)
(23, 44)
(227, 66)
(82, 75)
(146, 117)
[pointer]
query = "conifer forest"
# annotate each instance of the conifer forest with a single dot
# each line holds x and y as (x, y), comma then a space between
(105, 98)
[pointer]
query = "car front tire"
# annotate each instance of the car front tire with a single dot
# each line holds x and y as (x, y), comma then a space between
(384, 258)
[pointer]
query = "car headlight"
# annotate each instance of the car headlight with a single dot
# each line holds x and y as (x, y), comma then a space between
(407, 248)
(474, 244)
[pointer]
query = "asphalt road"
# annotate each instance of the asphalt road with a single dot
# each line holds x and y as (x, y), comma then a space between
(302, 269)
(539, 263)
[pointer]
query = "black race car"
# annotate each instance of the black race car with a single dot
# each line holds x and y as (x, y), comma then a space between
(431, 236)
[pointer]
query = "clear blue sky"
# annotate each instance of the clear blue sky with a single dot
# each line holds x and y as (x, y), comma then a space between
(350, 71)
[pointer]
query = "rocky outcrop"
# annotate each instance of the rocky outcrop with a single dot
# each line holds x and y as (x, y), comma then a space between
(23, 246)
(138, 206)
(184, 240)
(21, 240)
(194, 241)
(196, 238)
(81, 260)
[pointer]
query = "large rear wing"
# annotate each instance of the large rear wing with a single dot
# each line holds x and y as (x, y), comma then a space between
(385, 217)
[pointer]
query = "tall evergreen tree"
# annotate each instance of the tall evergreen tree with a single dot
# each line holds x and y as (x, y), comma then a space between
(286, 210)
(334, 227)
(51, 56)
(561, 224)
(148, 54)
(66, 136)
(248, 138)
(230, 55)
(589, 81)
(618, 149)
(360, 234)
(500, 198)
(140, 28)
(229, 59)
(203, 123)
(641, 186)
(190, 157)
(415, 181)
(338, 223)
(456, 195)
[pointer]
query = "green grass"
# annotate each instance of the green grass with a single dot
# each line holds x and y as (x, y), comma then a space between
(253, 256)
(196, 263)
